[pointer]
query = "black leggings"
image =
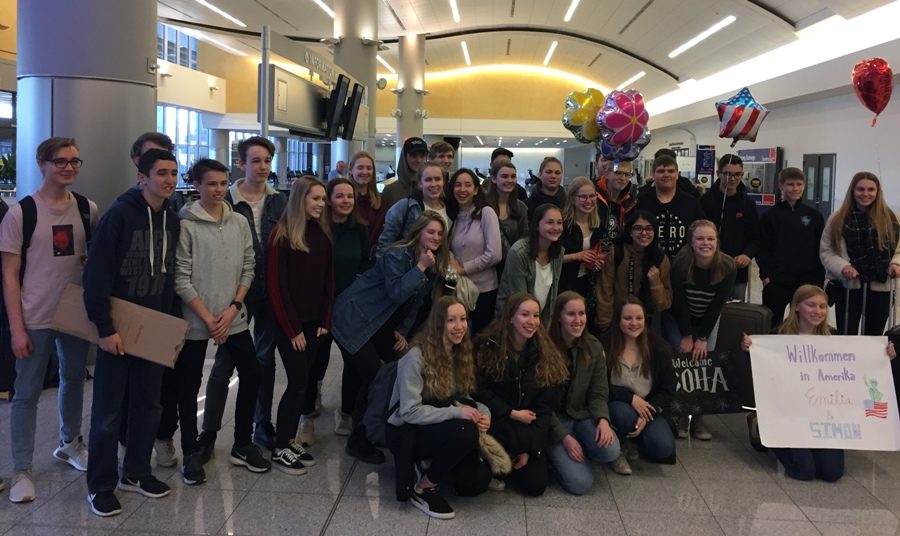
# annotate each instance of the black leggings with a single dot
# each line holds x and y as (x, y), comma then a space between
(364, 365)
(484, 311)
(532, 477)
(296, 366)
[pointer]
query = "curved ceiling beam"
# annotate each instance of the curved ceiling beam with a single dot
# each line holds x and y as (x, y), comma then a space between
(448, 35)
(773, 13)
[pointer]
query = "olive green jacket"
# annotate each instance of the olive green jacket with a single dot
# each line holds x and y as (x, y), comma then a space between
(587, 390)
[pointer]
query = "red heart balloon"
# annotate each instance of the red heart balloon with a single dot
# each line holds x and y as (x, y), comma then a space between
(873, 82)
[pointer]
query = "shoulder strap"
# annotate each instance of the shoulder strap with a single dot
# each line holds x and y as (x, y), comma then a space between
(29, 224)
(84, 210)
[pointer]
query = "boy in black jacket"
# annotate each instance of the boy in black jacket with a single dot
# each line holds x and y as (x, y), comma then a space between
(132, 257)
(675, 210)
(789, 245)
(728, 206)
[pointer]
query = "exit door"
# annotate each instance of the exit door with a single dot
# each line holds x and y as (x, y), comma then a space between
(819, 170)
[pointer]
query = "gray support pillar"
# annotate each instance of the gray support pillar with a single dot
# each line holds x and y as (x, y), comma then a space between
(410, 88)
(86, 70)
(356, 23)
(282, 151)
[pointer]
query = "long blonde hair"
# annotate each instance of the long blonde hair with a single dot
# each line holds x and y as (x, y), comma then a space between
(719, 267)
(881, 217)
(372, 187)
(569, 207)
(551, 367)
(411, 240)
(446, 371)
(791, 324)
(292, 223)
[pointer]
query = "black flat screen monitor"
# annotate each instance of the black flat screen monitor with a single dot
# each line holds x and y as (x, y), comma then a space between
(334, 106)
(351, 111)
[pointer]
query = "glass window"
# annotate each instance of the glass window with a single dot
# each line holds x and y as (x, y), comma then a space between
(183, 50)
(193, 64)
(160, 40)
(171, 45)
(7, 109)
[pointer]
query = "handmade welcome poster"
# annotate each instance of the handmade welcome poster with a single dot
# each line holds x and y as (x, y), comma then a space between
(825, 392)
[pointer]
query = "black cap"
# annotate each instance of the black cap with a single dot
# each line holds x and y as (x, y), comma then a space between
(415, 145)
(500, 151)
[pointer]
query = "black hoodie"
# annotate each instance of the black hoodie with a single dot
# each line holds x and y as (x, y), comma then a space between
(404, 186)
(538, 198)
(125, 263)
(739, 233)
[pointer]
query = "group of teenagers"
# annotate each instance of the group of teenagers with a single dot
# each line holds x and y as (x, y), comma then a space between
(531, 333)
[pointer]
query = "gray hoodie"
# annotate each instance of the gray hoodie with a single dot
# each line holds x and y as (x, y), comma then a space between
(212, 260)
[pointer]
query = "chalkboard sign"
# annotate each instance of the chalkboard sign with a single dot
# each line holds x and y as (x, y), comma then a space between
(721, 383)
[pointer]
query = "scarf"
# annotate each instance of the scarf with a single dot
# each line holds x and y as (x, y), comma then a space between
(864, 254)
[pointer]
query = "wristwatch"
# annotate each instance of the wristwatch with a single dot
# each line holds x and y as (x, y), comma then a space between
(237, 305)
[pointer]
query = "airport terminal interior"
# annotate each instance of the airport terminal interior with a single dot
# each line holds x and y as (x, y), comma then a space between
(323, 79)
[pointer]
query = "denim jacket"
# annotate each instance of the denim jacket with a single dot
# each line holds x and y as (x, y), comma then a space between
(273, 206)
(394, 285)
(397, 222)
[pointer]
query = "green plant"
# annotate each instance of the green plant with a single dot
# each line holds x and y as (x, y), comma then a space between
(8, 167)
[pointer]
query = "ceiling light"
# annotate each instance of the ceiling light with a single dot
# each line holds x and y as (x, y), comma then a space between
(550, 52)
(455, 9)
(228, 16)
(571, 10)
(466, 53)
(631, 80)
(480, 142)
(324, 7)
(518, 68)
(203, 37)
(386, 65)
(703, 35)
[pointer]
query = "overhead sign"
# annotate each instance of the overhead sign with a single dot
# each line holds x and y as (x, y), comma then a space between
(832, 392)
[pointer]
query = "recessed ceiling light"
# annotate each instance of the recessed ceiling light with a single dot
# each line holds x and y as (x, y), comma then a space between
(571, 10)
(480, 142)
(228, 16)
(631, 80)
(386, 65)
(455, 10)
(466, 53)
(325, 8)
(550, 52)
(703, 35)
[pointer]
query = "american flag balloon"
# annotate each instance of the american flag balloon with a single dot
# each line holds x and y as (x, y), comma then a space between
(740, 117)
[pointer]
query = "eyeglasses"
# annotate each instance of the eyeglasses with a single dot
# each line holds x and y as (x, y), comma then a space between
(628, 174)
(587, 197)
(638, 229)
(61, 163)
(738, 175)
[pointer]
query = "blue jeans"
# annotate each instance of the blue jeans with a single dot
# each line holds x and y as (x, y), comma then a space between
(577, 478)
(807, 464)
(144, 382)
(656, 441)
(672, 332)
(30, 382)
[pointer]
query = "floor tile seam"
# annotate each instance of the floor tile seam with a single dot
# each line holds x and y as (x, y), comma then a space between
(697, 489)
(340, 496)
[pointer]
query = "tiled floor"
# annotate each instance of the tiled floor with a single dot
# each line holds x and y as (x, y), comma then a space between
(717, 487)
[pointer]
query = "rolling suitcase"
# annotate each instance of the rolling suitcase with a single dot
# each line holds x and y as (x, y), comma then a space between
(738, 318)
(893, 335)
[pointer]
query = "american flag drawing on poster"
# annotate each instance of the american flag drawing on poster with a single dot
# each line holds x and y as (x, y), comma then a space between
(876, 409)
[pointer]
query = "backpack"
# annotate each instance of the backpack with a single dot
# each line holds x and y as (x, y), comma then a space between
(29, 224)
(379, 408)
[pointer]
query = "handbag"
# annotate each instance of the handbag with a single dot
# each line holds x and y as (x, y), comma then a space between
(465, 288)
(491, 450)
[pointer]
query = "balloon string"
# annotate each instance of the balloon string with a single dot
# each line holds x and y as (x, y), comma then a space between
(874, 119)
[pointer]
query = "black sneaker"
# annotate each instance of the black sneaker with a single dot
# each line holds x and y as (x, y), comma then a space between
(287, 461)
(362, 449)
(206, 441)
(302, 454)
(104, 503)
(264, 436)
(431, 502)
(192, 471)
(250, 457)
(148, 486)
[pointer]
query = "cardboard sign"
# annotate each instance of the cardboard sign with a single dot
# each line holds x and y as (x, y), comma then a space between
(717, 384)
(825, 392)
(146, 333)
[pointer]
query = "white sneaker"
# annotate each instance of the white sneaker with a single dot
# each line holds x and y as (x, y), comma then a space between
(165, 453)
(343, 423)
(496, 484)
(74, 453)
(306, 430)
(22, 489)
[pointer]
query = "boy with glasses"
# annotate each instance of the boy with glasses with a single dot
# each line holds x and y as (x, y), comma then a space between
(615, 198)
(728, 206)
(51, 229)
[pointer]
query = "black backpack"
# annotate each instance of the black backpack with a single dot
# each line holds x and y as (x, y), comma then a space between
(379, 408)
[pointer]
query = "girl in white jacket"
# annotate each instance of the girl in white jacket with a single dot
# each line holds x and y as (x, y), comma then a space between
(860, 244)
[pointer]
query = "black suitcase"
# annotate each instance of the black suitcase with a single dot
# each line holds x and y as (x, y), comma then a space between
(893, 335)
(738, 318)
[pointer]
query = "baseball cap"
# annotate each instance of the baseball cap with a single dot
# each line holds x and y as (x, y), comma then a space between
(500, 151)
(415, 145)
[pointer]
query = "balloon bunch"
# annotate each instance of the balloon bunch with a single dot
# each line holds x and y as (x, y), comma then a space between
(873, 82)
(740, 117)
(616, 122)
